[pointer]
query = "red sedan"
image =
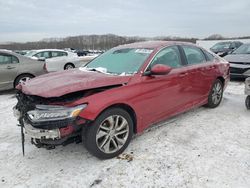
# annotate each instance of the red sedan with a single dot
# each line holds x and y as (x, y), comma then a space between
(118, 94)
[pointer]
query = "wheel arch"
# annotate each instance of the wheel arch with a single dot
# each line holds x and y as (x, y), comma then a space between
(128, 109)
(69, 63)
(221, 79)
(30, 74)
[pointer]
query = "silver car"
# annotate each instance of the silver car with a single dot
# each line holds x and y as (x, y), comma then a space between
(240, 62)
(15, 68)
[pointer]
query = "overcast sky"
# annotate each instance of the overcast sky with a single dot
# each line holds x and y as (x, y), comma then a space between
(30, 20)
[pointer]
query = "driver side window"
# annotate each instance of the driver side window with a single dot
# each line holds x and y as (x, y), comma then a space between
(169, 56)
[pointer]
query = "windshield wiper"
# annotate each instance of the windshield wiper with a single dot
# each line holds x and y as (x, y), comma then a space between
(95, 70)
(98, 69)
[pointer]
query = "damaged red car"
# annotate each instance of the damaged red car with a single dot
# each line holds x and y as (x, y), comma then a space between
(119, 94)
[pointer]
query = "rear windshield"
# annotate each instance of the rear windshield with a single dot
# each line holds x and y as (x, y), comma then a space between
(121, 61)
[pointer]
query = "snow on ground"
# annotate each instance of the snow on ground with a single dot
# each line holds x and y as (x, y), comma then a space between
(201, 148)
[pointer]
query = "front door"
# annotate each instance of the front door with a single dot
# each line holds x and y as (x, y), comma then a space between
(162, 94)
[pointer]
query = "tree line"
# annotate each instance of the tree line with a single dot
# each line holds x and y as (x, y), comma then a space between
(97, 42)
(86, 42)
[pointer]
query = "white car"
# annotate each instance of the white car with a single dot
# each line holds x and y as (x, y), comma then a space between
(65, 63)
(57, 60)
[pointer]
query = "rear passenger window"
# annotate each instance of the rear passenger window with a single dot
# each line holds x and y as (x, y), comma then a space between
(209, 56)
(169, 56)
(58, 54)
(194, 55)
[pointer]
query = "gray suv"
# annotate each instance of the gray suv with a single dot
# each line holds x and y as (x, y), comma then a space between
(15, 68)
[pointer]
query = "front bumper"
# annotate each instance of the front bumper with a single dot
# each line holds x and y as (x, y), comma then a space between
(41, 133)
(239, 70)
(37, 132)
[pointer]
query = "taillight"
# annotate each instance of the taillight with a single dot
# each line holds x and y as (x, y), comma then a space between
(45, 67)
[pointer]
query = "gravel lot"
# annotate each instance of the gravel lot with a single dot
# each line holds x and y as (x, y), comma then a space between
(201, 148)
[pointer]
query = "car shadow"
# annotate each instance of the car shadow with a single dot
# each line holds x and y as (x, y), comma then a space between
(8, 92)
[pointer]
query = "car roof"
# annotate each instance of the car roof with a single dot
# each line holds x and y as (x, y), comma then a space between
(8, 52)
(154, 44)
(41, 50)
(4, 50)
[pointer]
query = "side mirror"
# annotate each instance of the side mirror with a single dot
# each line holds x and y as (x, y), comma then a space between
(158, 69)
(41, 59)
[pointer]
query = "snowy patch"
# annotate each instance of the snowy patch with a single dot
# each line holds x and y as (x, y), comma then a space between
(200, 148)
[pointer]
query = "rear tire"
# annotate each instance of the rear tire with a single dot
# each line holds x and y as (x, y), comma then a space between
(247, 102)
(22, 78)
(215, 95)
(109, 135)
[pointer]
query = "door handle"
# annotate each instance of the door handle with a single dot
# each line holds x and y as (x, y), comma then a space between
(10, 67)
(183, 74)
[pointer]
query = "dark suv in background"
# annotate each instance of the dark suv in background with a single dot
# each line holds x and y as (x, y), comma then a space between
(224, 48)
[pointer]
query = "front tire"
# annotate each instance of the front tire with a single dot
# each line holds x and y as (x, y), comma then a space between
(22, 78)
(215, 95)
(109, 135)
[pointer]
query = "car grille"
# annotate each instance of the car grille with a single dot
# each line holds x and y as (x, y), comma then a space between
(237, 70)
(51, 124)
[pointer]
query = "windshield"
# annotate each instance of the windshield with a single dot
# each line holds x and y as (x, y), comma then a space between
(243, 49)
(31, 53)
(221, 45)
(120, 61)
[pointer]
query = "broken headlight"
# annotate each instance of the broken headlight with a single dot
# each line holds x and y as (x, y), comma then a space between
(53, 112)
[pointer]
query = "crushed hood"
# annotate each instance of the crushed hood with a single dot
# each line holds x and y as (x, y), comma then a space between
(61, 83)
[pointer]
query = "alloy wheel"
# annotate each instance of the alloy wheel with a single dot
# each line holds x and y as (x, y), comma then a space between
(217, 93)
(24, 79)
(112, 134)
(69, 66)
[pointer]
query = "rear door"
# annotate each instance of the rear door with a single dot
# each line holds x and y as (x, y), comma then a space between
(201, 73)
(8, 70)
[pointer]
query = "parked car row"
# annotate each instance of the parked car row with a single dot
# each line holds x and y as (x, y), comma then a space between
(237, 54)
(15, 68)
(240, 62)
(57, 60)
(224, 48)
(80, 52)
